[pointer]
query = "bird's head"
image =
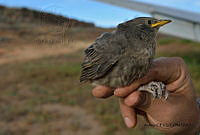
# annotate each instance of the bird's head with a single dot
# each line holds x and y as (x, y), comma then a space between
(145, 23)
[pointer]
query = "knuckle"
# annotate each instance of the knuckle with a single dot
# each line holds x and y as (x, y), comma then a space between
(179, 60)
(131, 100)
(99, 94)
(181, 64)
(128, 102)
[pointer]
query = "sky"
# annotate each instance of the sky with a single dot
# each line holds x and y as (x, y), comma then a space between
(101, 14)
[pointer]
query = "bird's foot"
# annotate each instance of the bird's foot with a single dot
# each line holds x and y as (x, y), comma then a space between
(157, 89)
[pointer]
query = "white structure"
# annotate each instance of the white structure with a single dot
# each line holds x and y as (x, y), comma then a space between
(185, 24)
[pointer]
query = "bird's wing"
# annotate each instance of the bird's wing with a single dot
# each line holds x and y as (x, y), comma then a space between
(100, 57)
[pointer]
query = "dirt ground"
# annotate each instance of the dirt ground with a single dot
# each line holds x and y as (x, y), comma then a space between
(67, 121)
(31, 52)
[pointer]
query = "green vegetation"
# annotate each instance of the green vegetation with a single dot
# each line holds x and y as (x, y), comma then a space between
(164, 41)
(173, 40)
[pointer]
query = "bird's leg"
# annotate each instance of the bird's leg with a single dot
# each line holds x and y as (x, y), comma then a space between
(157, 89)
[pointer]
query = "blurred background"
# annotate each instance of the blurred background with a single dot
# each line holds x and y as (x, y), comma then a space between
(41, 49)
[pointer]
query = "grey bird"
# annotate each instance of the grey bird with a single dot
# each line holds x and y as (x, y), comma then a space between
(118, 58)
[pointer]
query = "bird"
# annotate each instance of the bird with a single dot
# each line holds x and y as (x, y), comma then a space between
(118, 58)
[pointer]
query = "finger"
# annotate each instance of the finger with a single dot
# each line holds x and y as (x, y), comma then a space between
(133, 99)
(138, 99)
(181, 81)
(125, 91)
(102, 91)
(128, 115)
(165, 71)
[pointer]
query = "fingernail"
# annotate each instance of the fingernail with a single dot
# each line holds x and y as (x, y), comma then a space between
(128, 122)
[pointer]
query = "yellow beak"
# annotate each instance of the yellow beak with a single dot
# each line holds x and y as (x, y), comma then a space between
(160, 23)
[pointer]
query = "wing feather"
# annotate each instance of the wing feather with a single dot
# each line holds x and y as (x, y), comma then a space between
(100, 57)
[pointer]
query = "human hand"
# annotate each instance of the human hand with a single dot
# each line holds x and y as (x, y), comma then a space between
(179, 114)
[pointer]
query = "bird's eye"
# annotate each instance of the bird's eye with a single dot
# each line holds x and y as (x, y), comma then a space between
(149, 21)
